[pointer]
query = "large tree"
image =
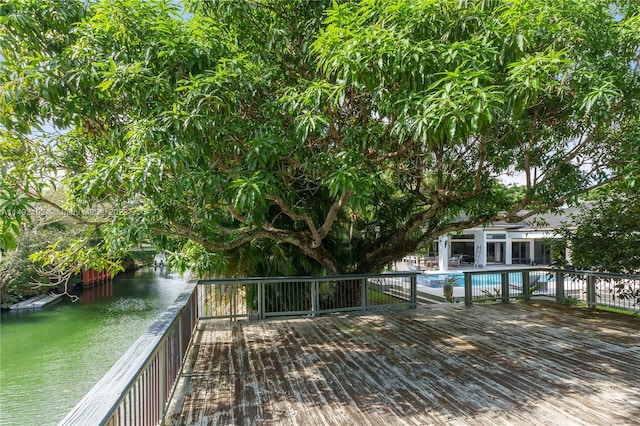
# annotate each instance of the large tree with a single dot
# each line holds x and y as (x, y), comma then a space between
(286, 136)
(605, 234)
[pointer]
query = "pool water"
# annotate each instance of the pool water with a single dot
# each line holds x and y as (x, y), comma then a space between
(477, 280)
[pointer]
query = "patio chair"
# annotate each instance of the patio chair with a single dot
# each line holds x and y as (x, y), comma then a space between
(412, 267)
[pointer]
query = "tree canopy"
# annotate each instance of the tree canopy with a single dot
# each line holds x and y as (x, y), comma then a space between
(605, 235)
(279, 136)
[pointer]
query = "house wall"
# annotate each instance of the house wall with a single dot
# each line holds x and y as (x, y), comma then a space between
(528, 247)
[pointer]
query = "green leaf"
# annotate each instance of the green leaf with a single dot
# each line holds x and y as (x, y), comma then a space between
(105, 85)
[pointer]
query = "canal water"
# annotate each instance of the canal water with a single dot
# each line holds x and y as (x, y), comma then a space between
(50, 358)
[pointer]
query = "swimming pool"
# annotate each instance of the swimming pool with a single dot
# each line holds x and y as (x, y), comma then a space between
(478, 280)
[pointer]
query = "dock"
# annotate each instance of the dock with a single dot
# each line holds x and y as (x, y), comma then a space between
(36, 302)
(505, 364)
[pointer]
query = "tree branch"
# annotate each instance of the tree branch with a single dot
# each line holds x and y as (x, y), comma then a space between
(237, 216)
(298, 217)
(77, 219)
(333, 214)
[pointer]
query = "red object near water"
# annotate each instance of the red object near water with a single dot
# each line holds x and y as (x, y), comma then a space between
(91, 277)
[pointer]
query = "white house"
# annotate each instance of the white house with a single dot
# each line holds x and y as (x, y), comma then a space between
(502, 243)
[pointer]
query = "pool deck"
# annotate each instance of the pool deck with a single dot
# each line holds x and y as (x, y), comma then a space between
(522, 363)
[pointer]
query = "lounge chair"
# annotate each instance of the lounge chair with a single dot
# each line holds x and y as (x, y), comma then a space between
(431, 262)
(412, 267)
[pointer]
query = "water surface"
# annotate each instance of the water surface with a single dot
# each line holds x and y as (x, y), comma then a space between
(51, 357)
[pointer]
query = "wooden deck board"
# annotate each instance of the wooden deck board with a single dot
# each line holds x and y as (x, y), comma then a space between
(504, 364)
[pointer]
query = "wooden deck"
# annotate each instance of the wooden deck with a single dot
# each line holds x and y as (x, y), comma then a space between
(501, 364)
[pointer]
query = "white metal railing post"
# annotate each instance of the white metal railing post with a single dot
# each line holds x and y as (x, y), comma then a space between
(261, 301)
(234, 302)
(315, 298)
(162, 377)
(505, 287)
(414, 291)
(468, 290)
(180, 335)
(559, 287)
(364, 296)
(591, 291)
(200, 297)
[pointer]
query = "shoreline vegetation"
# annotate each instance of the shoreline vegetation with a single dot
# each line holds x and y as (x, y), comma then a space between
(40, 295)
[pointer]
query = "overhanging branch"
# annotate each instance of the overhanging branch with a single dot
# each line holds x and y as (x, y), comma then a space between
(298, 217)
(77, 219)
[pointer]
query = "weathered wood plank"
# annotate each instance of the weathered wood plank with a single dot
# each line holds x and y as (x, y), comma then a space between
(518, 363)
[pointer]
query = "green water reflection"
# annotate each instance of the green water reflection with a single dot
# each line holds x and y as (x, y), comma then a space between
(50, 358)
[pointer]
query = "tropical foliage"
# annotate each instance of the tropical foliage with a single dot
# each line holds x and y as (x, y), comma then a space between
(21, 276)
(279, 136)
(605, 236)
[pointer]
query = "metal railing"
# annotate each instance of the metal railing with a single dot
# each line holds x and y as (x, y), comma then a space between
(138, 387)
(593, 289)
(259, 298)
